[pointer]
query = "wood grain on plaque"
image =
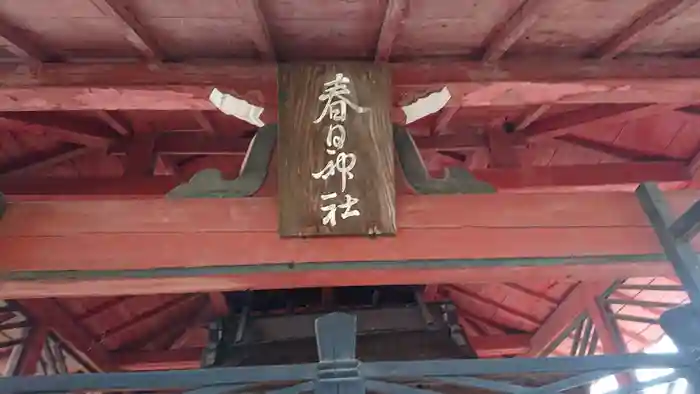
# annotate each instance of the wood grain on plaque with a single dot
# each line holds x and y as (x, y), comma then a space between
(302, 151)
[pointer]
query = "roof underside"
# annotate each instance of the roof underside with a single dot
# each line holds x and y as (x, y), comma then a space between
(100, 31)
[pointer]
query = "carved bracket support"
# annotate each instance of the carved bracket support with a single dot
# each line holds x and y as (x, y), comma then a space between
(456, 180)
(209, 183)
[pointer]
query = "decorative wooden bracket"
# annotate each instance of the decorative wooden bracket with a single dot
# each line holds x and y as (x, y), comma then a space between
(209, 183)
(456, 181)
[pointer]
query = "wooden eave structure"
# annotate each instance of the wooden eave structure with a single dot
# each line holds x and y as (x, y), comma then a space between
(564, 107)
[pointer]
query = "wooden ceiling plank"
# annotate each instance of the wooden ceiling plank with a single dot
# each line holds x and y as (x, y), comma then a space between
(161, 338)
(111, 303)
(36, 161)
(593, 115)
(197, 143)
(508, 32)
(394, 17)
(562, 317)
(543, 297)
(73, 286)
(134, 31)
(655, 13)
(616, 150)
(51, 314)
(149, 314)
(530, 320)
(260, 34)
(112, 119)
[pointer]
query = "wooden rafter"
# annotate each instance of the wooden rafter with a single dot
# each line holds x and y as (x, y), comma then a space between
(24, 45)
(36, 161)
(51, 314)
(655, 13)
(601, 177)
(260, 34)
(508, 32)
(195, 318)
(135, 32)
(562, 317)
(204, 122)
(113, 120)
(443, 119)
(79, 130)
(394, 17)
(593, 115)
(162, 338)
(615, 150)
(532, 116)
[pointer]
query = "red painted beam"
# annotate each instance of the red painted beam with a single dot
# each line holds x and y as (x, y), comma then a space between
(194, 282)
(181, 86)
(198, 143)
(120, 235)
(608, 176)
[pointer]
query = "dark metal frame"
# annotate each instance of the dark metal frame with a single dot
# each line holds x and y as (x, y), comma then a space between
(338, 371)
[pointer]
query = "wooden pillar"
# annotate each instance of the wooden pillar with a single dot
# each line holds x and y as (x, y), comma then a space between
(335, 147)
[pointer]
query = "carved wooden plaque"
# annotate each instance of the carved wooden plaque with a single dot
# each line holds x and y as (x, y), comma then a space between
(335, 150)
